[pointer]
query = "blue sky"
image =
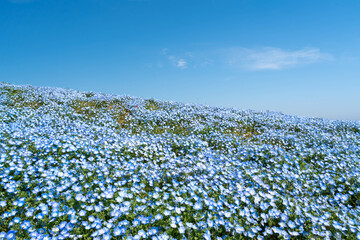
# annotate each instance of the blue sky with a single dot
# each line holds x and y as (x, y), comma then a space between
(297, 57)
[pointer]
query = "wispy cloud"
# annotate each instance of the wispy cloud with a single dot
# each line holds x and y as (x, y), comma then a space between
(186, 60)
(181, 63)
(269, 58)
(176, 61)
(240, 58)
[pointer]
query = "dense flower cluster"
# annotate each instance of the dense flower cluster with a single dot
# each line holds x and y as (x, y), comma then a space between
(86, 165)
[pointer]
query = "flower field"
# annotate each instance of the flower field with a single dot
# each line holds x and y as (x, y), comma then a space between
(84, 165)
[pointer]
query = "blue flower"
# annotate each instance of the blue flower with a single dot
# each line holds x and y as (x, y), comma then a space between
(197, 206)
(119, 231)
(10, 234)
(207, 235)
(82, 213)
(75, 167)
(62, 225)
(291, 224)
(107, 236)
(182, 229)
(25, 224)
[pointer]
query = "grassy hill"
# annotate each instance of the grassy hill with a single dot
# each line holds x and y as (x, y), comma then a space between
(84, 165)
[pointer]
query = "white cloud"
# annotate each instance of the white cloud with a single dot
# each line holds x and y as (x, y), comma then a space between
(178, 62)
(181, 63)
(269, 58)
(175, 60)
(186, 60)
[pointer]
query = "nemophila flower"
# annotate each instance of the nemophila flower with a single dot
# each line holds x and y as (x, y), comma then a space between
(264, 206)
(54, 214)
(91, 218)
(291, 224)
(142, 234)
(158, 216)
(164, 236)
(16, 220)
(79, 197)
(178, 210)
(96, 224)
(284, 217)
(113, 174)
(10, 234)
(25, 224)
(30, 212)
(156, 195)
(107, 237)
(19, 202)
(136, 223)
(109, 194)
(95, 234)
(35, 235)
(89, 208)
(182, 228)
(62, 225)
(82, 213)
(166, 196)
(191, 225)
(167, 212)
(294, 233)
(239, 229)
(103, 231)
(227, 214)
(118, 231)
(197, 206)
(207, 235)
(251, 234)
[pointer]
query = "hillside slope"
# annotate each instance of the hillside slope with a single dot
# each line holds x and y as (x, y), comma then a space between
(89, 165)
